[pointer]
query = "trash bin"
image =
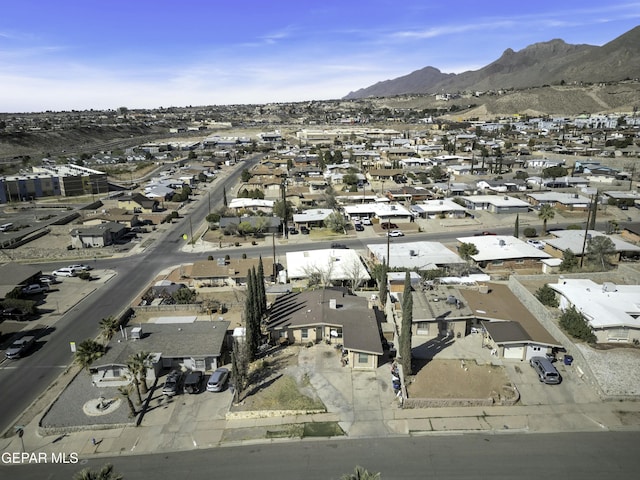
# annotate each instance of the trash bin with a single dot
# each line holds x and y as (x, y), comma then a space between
(568, 359)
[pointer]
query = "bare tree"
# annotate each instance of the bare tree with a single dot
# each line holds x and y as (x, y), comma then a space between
(355, 271)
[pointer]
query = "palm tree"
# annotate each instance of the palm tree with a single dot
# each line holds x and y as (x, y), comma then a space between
(546, 213)
(138, 365)
(105, 473)
(134, 371)
(108, 328)
(87, 352)
(360, 473)
(125, 391)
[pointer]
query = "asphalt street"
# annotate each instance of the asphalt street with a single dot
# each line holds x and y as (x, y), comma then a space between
(24, 380)
(584, 456)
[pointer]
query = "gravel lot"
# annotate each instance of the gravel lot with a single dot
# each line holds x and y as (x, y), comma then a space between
(617, 371)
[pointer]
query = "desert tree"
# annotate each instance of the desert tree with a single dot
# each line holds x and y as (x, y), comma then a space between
(335, 222)
(355, 271)
(239, 367)
(600, 249)
(404, 348)
(569, 261)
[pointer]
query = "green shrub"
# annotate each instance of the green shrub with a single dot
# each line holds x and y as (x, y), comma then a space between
(547, 296)
(529, 232)
(575, 325)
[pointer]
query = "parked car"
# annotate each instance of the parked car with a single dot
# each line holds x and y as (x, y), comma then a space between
(13, 314)
(218, 380)
(48, 279)
(536, 243)
(304, 230)
(172, 383)
(293, 231)
(395, 233)
(35, 289)
(388, 226)
(65, 272)
(359, 227)
(339, 246)
(20, 347)
(80, 266)
(366, 221)
(483, 234)
(193, 382)
(547, 373)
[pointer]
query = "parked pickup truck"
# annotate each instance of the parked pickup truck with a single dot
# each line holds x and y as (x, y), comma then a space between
(35, 289)
(20, 347)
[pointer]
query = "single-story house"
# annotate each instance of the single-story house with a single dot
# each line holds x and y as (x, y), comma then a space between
(100, 235)
(252, 204)
(560, 200)
(233, 272)
(187, 346)
(415, 255)
(138, 203)
(439, 208)
(574, 240)
(499, 252)
(312, 218)
(612, 311)
(508, 328)
(262, 223)
(328, 266)
(496, 203)
(440, 311)
(329, 314)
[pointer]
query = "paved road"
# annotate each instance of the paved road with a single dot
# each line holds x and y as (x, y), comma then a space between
(24, 380)
(584, 456)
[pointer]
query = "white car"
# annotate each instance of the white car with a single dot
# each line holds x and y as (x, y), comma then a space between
(366, 221)
(536, 243)
(80, 267)
(395, 233)
(65, 272)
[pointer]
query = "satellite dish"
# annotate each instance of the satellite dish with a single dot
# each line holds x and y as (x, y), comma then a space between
(333, 333)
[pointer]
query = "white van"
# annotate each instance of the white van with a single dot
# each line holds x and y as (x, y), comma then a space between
(6, 227)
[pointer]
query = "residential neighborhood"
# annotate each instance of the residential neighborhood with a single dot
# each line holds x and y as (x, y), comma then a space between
(333, 256)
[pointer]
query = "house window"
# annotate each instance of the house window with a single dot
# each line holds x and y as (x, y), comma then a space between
(304, 333)
(199, 364)
(363, 358)
(520, 261)
(497, 263)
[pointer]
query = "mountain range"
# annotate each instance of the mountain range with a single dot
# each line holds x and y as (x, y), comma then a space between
(545, 63)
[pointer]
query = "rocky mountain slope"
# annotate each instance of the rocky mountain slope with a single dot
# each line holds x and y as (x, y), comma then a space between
(547, 63)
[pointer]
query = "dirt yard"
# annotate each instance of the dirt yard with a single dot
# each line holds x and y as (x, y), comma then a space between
(457, 379)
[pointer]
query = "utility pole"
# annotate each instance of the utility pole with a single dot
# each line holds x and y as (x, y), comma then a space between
(275, 265)
(191, 229)
(586, 232)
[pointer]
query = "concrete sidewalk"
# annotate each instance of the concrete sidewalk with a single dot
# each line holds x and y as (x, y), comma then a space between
(362, 403)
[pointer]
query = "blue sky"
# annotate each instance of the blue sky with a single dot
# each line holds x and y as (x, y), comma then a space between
(100, 54)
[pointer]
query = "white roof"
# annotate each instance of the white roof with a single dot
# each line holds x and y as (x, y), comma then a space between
(384, 210)
(574, 240)
(618, 307)
(560, 197)
(502, 247)
(436, 206)
(336, 263)
(314, 215)
(420, 255)
(497, 200)
(250, 202)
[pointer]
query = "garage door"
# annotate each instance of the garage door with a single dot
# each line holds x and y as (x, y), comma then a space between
(514, 352)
